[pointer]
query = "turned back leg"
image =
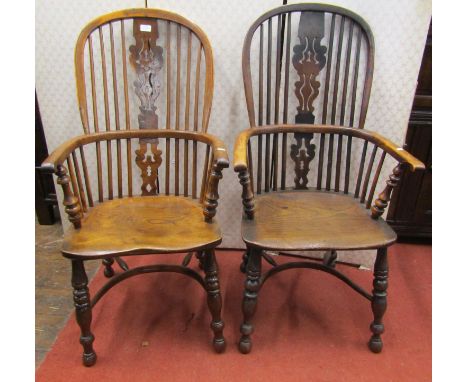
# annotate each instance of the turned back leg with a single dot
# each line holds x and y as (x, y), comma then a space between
(83, 311)
(379, 300)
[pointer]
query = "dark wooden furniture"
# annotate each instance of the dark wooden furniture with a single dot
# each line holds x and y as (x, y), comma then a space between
(308, 169)
(410, 211)
(46, 200)
(163, 83)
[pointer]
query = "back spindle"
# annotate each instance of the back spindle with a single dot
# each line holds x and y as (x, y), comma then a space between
(361, 169)
(375, 180)
(176, 172)
(249, 158)
(368, 173)
(283, 160)
(206, 167)
(260, 80)
(259, 163)
(320, 161)
(194, 169)
(268, 95)
(346, 73)
(186, 154)
(267, 163)
(89, 192)
(330, 160)
(337, 71)
(348, 163)
(79, 182)
(168, 166)
(338, 163)
(99, 171)
(72, 174)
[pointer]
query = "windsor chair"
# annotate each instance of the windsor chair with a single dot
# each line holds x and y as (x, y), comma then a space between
(326, 204)
(163, 84)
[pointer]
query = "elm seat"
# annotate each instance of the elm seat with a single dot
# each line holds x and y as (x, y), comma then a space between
(152, 224)
(332, 221)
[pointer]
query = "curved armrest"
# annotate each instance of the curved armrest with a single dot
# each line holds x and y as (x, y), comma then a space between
(397, 152)
(60, 154)
(54, 163)
(241, 164)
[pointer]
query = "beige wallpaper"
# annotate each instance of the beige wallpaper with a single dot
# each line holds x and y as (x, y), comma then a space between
(399, 28)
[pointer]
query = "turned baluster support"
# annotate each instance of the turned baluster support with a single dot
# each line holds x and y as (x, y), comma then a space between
(384, 197)
(212, 196)
(108, 270)
(83, 311)
(245, 260)
(70, 201)
(247, 193)
(249, 304)
(199, 256)
(329, 258)
(379, 300)
(208, 261)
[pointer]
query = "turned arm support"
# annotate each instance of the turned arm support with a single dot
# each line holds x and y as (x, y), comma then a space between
(378, 208)
(54, 163)
(220, 161)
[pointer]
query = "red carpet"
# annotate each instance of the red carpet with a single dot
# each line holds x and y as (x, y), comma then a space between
(309, 327)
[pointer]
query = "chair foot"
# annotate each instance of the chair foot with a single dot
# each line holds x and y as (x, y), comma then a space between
(83, 311)
(379, 300)
(219, 345)
(249, 303)
(245, 345)
(108, 270)
(89, 359)
(375, 344)
(208, 262)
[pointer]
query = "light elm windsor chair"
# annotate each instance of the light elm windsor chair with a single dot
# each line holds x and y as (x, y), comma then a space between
(145, 86)
(308, 181)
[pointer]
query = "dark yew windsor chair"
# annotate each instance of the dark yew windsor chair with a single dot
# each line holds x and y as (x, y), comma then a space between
(178, 162)
(329, 206)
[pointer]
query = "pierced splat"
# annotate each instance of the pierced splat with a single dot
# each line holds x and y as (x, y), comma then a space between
(308, 60)
(146, 58)
(148, 164)
(302, 158)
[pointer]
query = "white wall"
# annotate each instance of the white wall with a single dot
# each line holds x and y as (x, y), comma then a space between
(399, 28)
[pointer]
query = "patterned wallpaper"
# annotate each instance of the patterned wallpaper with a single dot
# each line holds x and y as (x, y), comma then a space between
(399, 28)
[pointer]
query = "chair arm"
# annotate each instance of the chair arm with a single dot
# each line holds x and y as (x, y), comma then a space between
(242, 167)
(397, 152)
(60, 154)
(54, 163)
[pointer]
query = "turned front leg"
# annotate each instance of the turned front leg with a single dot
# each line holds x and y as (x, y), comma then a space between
(379, 300)
(83, 311)
(210, 267)
(249, 304)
